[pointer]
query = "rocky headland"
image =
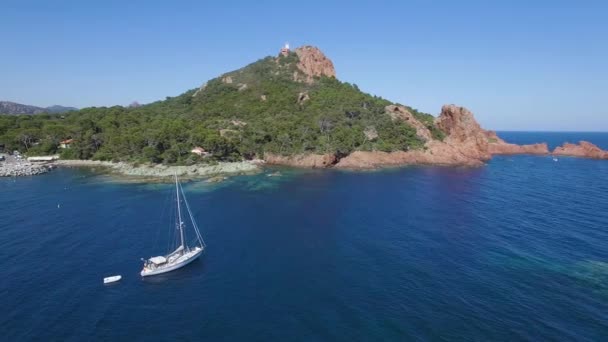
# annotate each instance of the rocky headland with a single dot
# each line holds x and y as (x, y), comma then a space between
(465, 144)
(288, 103)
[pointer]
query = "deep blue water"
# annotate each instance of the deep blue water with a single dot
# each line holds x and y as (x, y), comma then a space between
(554, 139)
(515, 250)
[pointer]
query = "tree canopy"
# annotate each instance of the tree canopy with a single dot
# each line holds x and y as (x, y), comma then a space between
(259, 108)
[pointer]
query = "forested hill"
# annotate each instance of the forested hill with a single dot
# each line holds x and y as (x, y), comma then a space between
(291, 104)
(12, 108)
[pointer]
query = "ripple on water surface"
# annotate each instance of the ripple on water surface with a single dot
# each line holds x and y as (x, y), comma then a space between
(513, 250)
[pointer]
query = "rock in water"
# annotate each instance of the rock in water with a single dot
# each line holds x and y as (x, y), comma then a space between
(584, 149)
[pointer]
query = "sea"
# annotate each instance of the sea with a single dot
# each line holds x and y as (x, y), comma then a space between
(516, 250)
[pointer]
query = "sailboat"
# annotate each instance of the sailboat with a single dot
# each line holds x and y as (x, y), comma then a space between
(183, 254)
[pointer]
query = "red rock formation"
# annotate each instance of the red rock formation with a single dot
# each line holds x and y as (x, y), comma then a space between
(463, 132)
(313, 63)
(465, 144)
(506, 148)
(498, 146)
(493, 138)
(584, 149)
(301, 160)
(375, 159)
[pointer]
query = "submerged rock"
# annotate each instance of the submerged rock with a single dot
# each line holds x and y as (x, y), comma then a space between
(216, 179)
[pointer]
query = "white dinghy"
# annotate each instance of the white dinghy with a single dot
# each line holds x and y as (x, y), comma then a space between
(181, 255)
(112, 279)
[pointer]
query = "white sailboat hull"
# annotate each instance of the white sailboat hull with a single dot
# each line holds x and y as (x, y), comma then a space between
(180, 262)
(181, 256)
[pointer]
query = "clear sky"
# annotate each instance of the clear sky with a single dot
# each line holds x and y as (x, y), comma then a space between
(518, 65)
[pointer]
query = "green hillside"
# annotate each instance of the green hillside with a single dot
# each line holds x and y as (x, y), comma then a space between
(241, 114)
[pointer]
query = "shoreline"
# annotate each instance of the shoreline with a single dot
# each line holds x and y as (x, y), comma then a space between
(356, 161)
(159, 171)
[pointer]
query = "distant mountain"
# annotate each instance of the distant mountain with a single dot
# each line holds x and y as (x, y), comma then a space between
(12, 108)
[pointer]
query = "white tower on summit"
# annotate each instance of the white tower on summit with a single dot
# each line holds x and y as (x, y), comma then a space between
(285, 50)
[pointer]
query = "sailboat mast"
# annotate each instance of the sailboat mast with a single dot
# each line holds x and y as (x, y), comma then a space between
(179, 212)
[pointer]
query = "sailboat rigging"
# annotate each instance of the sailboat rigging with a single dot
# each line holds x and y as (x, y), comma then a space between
(183, 254)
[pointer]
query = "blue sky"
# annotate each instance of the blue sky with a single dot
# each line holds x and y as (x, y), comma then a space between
(518, 65)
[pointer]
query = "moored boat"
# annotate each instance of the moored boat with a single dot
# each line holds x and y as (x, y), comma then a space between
(183, 254)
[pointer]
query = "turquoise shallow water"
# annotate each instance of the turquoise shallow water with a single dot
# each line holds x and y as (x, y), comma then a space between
(515, 250)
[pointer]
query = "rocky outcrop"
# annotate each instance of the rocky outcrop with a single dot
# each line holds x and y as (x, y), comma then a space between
(498, 146)
(301, 160)
(401, 113)
(493, 138)
(506, 148)
(370, 133)
(442, 154)
(584, 149)
(200, 89)
(23, 169)
(466, 144)
(159, 170)
(313, 63)
(463, 132)
(303, 97)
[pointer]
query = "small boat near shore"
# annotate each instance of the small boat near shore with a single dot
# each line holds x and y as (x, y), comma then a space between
(183, 254)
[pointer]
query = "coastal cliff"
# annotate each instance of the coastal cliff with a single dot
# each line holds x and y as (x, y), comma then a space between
(465, 143)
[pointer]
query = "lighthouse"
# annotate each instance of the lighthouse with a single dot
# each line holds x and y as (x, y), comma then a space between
(285, 50)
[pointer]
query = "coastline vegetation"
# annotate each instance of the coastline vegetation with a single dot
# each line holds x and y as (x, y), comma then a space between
(266, 106)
